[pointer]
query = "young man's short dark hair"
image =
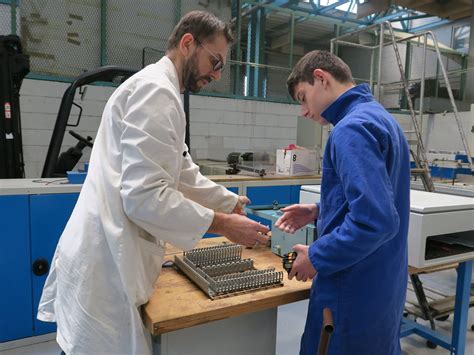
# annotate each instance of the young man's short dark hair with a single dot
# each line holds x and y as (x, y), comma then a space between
(202, 25)
(303, 70)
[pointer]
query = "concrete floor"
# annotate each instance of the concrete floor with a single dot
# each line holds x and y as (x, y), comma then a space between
(288, 337)
(295, 314)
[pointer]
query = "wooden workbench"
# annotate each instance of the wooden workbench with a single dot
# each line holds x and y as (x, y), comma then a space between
(178, 303)
(239, 177)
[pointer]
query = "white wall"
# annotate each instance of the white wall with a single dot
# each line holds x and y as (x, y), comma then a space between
(218, 126)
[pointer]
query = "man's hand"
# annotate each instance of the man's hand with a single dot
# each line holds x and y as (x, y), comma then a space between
(239, 229)
(239, 207)
(296, 217)
(302, 267)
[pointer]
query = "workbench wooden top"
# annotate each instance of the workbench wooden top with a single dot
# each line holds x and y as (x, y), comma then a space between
(226, 178)
(178, 303)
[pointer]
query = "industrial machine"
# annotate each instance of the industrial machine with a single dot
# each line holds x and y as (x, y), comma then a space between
(441, 228)
(282, 242)
(14, 65)
(310, 194)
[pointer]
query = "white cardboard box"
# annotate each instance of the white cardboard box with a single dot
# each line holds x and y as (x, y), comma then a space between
(297, 162)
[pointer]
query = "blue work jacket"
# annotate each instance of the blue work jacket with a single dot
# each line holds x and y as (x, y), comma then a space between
(361, 253)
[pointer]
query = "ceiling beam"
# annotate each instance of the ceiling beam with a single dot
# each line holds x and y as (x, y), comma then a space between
(429, 25)
(372, 6)
(304, 13)
(338, 18)
(325, 9)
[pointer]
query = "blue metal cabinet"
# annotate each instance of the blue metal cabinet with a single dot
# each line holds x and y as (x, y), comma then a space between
(48, 217)
(295, 194)
(15, 275)
(265, 195)
(235, 190)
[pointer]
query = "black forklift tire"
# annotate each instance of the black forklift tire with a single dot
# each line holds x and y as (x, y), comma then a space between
(443, 318)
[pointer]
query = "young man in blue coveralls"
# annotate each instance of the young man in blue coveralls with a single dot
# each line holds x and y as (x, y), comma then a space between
(358, 264)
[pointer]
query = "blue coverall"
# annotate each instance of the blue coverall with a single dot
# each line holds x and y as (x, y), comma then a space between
(361, 253)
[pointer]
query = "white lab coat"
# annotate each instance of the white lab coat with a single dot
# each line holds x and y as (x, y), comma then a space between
(141, 192)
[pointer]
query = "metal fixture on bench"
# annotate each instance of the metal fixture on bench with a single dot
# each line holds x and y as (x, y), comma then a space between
(220, 271)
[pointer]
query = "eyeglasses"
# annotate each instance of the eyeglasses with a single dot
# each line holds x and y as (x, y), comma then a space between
(217, 63)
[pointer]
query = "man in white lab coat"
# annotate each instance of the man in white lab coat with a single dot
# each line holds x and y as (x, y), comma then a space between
(142, 191)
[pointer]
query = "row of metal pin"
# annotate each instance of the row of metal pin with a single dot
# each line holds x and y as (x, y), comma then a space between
(228, 268)
(210, 271)
(214, 255)
(249, 280)
(243, 274)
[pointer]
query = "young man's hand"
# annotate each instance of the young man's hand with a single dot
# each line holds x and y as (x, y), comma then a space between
(241, 202)
(296, 217)
(302, 267)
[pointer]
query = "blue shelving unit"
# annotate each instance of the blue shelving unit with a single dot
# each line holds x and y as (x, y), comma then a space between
(30, 228)
(48, 217)
(15, 269)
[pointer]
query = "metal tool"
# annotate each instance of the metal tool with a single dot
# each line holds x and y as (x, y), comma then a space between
(220, 271)
(288, 260)
(235, 169)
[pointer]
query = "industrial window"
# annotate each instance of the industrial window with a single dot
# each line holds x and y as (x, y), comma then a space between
(461, 37)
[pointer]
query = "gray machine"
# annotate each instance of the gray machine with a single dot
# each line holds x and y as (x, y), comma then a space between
(441, 227)
(281, 242)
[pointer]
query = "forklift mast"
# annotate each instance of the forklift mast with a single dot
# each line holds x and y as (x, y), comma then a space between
(14, 65)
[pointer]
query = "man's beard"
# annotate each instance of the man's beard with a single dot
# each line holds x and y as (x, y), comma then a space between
(191, 75)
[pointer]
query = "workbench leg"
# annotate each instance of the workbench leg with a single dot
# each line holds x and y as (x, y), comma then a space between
(421, 298)
(461, 309)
